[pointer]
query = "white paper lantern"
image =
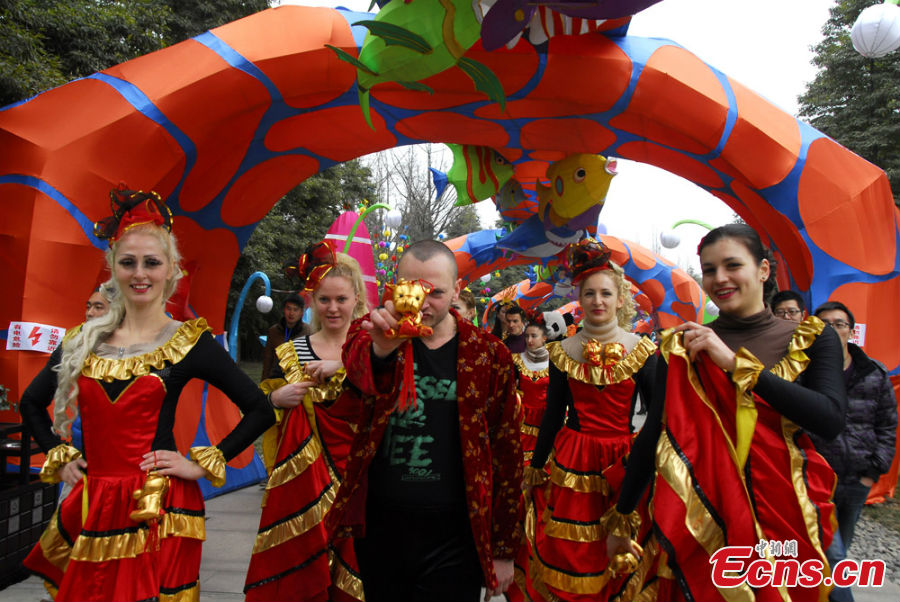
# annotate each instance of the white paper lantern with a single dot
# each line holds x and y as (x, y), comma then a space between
(669, 239)
(264, 304)
(711, 308)
(877, 30)
(393, 219)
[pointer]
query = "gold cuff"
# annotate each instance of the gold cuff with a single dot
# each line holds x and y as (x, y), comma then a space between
(57, 457)
(272, 384)
(534, 476)
(212, 461)
(621, 525)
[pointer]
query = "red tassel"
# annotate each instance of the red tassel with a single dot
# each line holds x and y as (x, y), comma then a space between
(152, 544)
(408, 388)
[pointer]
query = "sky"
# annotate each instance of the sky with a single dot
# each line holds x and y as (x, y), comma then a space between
(764, 44)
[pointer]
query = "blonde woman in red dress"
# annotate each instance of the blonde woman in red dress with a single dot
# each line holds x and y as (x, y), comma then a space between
(133, 526)
(294, 558)
(585, 433)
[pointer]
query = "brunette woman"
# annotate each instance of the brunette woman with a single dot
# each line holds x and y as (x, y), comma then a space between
(726, 432)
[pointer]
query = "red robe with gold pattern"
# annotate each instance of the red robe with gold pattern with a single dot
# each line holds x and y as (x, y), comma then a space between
(488, 413)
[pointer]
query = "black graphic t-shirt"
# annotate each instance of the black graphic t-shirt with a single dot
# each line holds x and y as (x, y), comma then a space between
(419, 462)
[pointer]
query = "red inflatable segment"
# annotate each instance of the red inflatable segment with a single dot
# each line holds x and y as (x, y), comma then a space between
(211, 249)
(565, 136)
(547, 156)
(196, 101)
(452, 127)
(566, 88)
(529, 171)
(56, 243)
(253, 194)
(875, 305)
(96, 140)
(695, 94)
(275, 38)
(764, 144)
(855, 226)
(338, 133)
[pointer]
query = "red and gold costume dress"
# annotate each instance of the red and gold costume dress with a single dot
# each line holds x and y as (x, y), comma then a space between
(732, 470)
(567, 543)
(92, 549)
(306, 455)
(533, 381)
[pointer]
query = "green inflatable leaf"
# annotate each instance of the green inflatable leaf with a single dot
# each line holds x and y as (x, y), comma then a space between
(417, 86)
(394, 35)
(484, 80)
(364, 105)
(349, 58)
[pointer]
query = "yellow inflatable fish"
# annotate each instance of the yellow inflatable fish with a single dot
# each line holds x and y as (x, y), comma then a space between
(578, 184)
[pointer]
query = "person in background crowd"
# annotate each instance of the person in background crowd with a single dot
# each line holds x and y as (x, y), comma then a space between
(465, 305)
(96, 305)
(515, 329)
(865, 448)
(433, 485)
(289, 327)
(789, 305)
(499, 329)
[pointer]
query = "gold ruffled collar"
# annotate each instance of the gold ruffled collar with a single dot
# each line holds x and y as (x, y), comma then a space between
(795, 360)
(527, 372)
(789, 367)
(294, 372)
(172, 351)
(608, 373)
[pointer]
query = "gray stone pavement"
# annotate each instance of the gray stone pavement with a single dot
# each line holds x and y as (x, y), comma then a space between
(230, 531)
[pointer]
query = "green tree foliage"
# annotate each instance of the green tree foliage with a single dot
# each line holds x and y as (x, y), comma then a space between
(46, 43)
(853, 99)
(300, 218)
(189, 18)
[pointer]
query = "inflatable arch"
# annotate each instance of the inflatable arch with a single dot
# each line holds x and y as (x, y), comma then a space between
(666, 290)
(224, 124)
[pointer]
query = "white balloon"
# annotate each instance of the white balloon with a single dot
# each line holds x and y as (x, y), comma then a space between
(669, 239)
(711, 308)
(264, 304)
(393, 219)
(486, 278)
(877, 30)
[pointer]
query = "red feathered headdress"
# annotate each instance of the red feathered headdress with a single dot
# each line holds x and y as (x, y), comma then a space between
(129, 209)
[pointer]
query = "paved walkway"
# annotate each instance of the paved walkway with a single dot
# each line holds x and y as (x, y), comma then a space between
(232, 522)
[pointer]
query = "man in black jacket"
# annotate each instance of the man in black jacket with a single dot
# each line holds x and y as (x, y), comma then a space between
(865, 449)
(290, 326)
